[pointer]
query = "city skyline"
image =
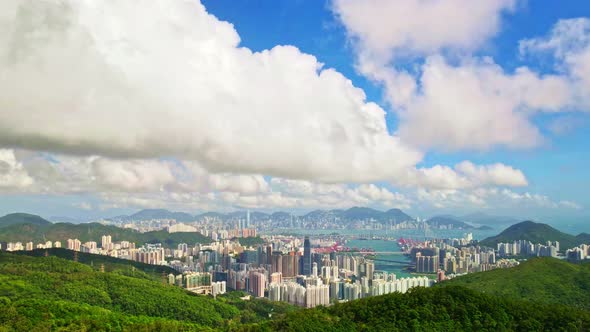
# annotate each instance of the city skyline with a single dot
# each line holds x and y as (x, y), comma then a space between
(295, 106)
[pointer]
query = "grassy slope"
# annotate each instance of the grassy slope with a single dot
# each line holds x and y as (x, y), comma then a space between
(547, 280)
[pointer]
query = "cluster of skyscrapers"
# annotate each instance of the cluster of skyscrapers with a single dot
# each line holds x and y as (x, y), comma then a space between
(527, 248)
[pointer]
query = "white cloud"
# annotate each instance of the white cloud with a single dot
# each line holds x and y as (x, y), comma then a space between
(477, 106)
(464, 175)
(473, 103)
(497, 174)
(13, 176)
(384, 31)
(569, 45)
(490, 198)
(418, 27)
(132, 175)
(157, 99)
(164, 78)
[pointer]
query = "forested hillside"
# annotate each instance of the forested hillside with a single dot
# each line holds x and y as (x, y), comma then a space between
(546, 280)
(51, 293)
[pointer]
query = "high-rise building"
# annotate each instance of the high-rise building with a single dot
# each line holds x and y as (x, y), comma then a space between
(306, 266)
(106, 242)
(257, 284)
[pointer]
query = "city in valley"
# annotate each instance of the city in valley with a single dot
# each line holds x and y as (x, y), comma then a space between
(372, 257)
(294, 165)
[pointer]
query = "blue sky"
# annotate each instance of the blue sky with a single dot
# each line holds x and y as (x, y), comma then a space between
(210, 138)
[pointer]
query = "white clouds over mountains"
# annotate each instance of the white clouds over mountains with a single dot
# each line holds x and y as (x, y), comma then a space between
(158, 99)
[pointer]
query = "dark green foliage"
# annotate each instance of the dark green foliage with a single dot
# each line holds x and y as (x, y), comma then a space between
(39, 288)
(51, 293)
(547, 280)
(536, 233)
(249, 241)
(435, 309)
(256, 311)
(110, 264)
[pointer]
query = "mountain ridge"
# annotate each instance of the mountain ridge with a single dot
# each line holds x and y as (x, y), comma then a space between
(22, 218)
(536, 233)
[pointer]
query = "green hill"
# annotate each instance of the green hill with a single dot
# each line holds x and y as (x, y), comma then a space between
(543, 279)
(51, 293)
(536, 233)
(110, 264)
(22, 218)
(434, 309)
(25, 228)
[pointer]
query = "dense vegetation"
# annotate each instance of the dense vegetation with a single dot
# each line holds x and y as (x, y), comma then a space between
(536, 233)
(249, 241)
(434, 309)
(107, 263)
(547, 280)
(25, 228)
(51, 293)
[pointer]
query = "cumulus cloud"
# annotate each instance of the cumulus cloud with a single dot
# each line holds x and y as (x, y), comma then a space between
(569, 45)
(388, 28)
(478, 106)
(385, 31)
(158, 99)
(447, 98)
(464, 175)
(156, 183)
(165, 78)
(13, 176)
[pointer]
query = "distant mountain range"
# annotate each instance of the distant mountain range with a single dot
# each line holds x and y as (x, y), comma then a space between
(451, 222)
(536, 233)
(473, 221)
(26, 227)
(352, 214)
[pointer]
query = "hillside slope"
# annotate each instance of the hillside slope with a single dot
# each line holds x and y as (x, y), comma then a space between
(50, 293)
(544, 279)
(109, 264)
(434, 309)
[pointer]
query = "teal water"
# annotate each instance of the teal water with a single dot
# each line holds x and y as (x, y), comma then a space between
(383, 245)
